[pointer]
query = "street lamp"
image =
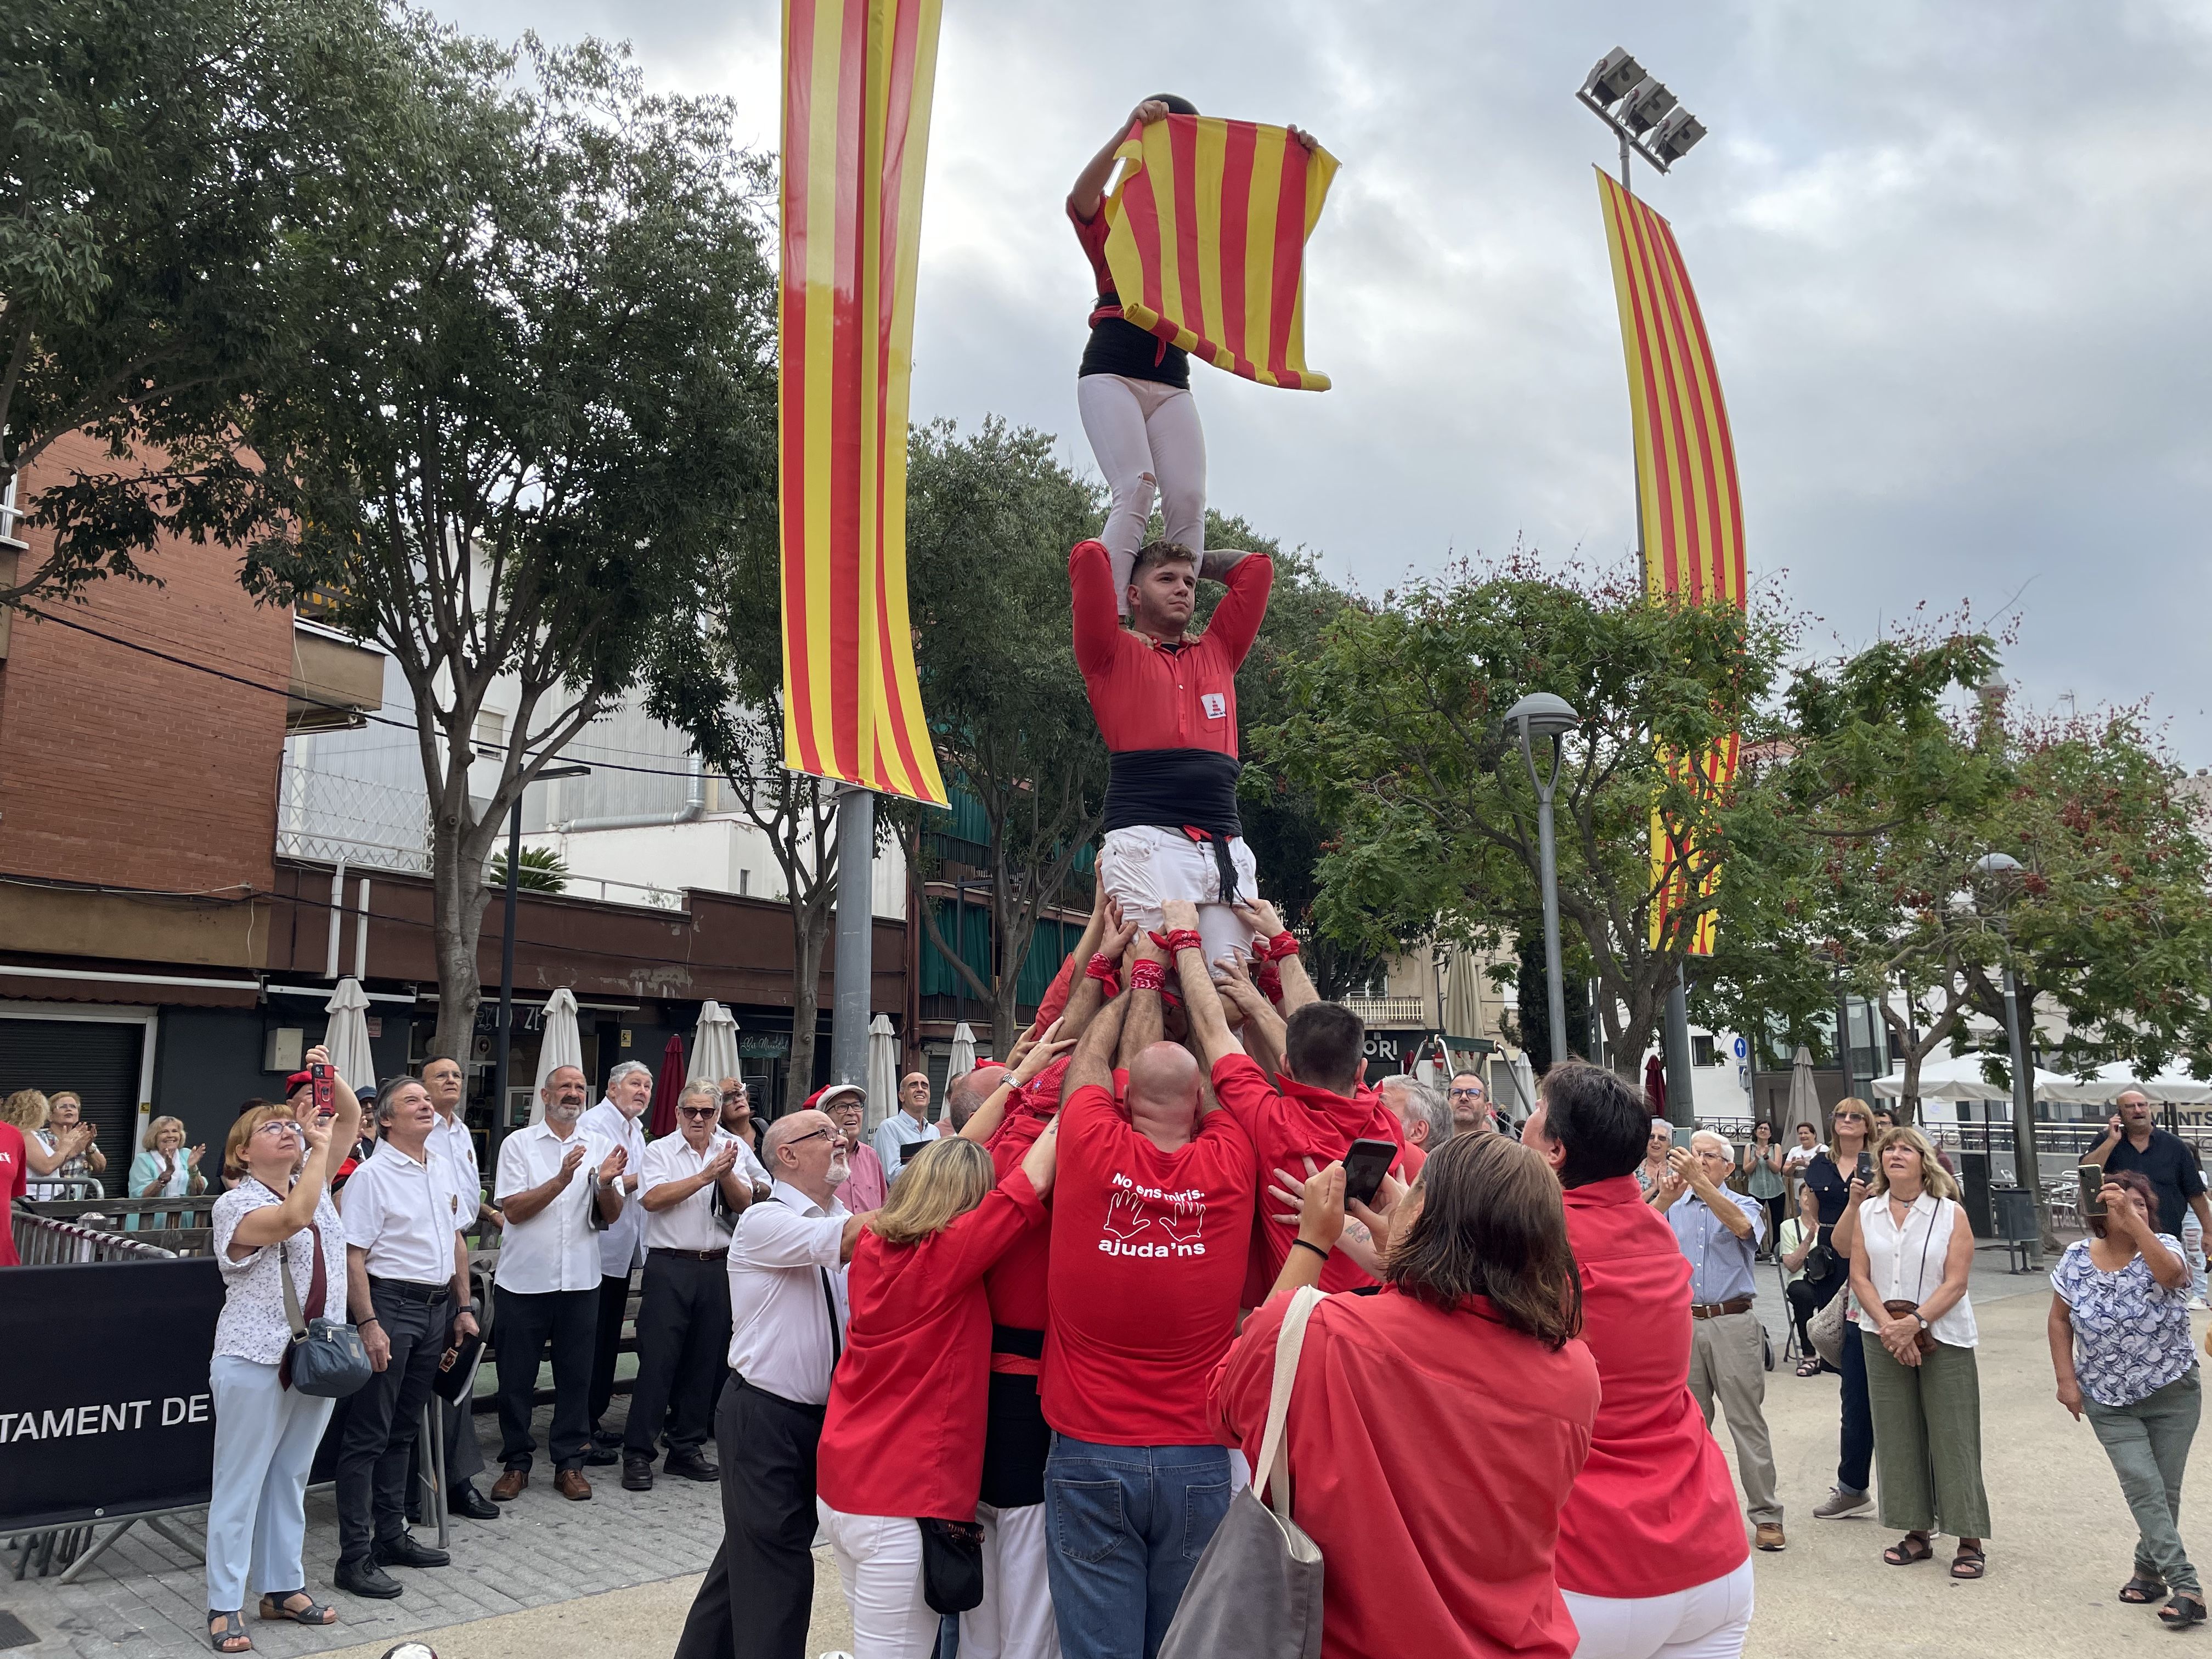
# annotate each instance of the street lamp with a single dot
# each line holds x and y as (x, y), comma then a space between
(2002, 870)
(1643, 114)
(1541, 715)
(507, 961)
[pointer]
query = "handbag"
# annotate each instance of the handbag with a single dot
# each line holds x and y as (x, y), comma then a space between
(952, 1565)
(1256, 1592)
(327, 1359)
(1826, 1328)
(1921, 1338)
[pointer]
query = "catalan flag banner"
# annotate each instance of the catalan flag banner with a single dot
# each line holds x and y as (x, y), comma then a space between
(857, 80)
(1206, 236)
(1688, 509)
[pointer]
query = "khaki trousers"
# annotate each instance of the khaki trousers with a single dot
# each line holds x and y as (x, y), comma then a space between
(1727, 1364)
(1928, 1439)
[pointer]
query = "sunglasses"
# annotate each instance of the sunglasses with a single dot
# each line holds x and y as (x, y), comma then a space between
(695, 1111)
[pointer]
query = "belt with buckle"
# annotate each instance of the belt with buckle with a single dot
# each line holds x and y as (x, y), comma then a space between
(1715, 1309)
(689, 1255)
(409, 1290)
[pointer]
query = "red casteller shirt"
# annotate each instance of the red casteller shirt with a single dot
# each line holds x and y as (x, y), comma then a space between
(901, 1436)
(1433, 1493)
(1655, 1510)
(1148, 695)
(1148, 1253)
(1016, 1284)
(1290, 1122)
(15, 1174)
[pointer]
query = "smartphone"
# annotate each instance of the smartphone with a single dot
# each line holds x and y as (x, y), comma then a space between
(2092, 1178)
(1865, 1170)
(1364, 1166)
(325, 1097)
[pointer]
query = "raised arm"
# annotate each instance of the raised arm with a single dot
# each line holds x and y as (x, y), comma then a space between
(1201, 1003)
(1264, 920)
(1092, 1065)
(1088, 192)
(1263, 1029)
(1144, 1024)
(1235, 621)
(1097, 618)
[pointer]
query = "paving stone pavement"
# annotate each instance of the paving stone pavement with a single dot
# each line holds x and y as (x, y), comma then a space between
(145, 1599)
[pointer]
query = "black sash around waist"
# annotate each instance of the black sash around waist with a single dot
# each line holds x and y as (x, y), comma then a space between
(1172, 789)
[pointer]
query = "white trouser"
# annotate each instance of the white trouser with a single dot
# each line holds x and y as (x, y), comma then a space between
(1144, 865)
(1149, 443)
(2192, 1247)
(265, 1436)
(1706, 1621)
(1014, 1618)
(879, 1564)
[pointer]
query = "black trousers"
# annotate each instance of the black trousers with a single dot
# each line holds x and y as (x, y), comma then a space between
(379, 1429)
(614, 1303)
(682, 1353)
(524, 1326)
(758, 1593)
(457, 1422)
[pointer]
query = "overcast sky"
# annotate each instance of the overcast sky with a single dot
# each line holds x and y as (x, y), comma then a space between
(1954, 260)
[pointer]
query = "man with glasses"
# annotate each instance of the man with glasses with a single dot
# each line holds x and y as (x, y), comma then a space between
(787, 1311)
(846, 1106)
(738, 1112)
(694, 1185)
(1470, 1105)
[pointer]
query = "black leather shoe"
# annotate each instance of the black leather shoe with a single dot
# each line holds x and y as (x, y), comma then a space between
(637, 1474)
(598, 1457)
(366, 1579)
(465, 1499)
(695, 1467)
(404, 1551)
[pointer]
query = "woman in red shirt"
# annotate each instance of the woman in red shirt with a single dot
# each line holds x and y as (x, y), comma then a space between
(1435, 1429)
(901, 1440)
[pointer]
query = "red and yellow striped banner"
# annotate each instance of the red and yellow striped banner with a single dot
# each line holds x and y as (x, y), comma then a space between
(857, 81)
(1206, 237)
(1689, 512)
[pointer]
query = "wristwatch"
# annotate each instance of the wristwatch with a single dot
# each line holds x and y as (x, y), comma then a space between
(1923, 1318)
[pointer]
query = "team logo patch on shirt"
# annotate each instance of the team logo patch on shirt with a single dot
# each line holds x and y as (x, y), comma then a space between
(1215, 704)
(1132, 1211)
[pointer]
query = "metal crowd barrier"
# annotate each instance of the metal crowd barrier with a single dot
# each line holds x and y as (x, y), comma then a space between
(44, 1242)
(182, 1226)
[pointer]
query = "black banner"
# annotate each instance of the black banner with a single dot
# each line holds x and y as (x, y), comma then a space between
(105, 1408)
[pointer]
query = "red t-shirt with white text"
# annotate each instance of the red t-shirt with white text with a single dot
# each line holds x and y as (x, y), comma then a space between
(1148, 1252)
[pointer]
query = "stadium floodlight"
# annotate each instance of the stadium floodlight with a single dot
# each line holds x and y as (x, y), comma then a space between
(1674, 136)
(1615, 76)
(1644, 108)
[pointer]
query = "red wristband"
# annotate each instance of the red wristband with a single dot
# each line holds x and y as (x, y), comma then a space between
(1284, 943)
(1178, 939)
(1102, 968)
(1269, 979)
(1146, 974)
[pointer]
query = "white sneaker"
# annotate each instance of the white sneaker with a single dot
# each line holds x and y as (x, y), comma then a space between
(2197, 1305)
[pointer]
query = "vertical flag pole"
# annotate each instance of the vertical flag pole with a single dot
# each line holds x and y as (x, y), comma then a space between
(855, 963)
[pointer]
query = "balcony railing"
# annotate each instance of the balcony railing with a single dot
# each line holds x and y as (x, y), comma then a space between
(1389, 1011)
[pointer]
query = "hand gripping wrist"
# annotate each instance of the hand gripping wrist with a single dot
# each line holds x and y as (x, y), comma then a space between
(1176, 940)
(1146, 974)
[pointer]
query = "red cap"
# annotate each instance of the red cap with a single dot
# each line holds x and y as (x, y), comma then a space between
(814, 1101)
(296, 1082)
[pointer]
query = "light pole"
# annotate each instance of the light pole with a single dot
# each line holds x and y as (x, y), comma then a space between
(1541, 715)
(2002, 870)
(507, 963)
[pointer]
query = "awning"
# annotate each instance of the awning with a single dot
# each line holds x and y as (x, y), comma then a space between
(42, 983)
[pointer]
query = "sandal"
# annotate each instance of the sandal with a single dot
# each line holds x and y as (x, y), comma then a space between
(1913, 1546)
(279, 1607)
(2141, 1590)
(227, 1633)
(1810, 1367)
(1968, 1563)
(2182, 1612)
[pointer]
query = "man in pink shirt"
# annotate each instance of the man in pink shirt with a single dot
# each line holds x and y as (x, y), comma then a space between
(846, 1105)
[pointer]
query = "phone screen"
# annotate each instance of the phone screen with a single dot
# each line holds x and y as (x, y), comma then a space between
(1364, 1166)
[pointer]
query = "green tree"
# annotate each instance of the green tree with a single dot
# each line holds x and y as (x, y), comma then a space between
(539, 870)
(168, 173)
(532, 406)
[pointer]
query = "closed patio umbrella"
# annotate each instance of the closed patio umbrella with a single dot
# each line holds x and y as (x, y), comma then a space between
(713, 1045)
(347, 1036)
(964, 1052)
(1804, 1105)
(883, 1072)
(559, 1043)
(667, 1083)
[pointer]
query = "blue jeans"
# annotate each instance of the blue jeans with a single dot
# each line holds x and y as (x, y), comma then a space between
(1126, 1525)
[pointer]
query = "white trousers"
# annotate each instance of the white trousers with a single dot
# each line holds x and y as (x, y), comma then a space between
(1144, 865)
(265, 1436)
(1706, 1621)
(1014, 1618)
(1149, 445)
(879, 1565)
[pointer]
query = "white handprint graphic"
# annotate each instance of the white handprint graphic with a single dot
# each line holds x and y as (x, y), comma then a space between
(1185, 1219)
(1125, 1216)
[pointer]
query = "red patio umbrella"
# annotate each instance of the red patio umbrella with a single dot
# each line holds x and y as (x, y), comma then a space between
(665, 1088)
(1654, 1085)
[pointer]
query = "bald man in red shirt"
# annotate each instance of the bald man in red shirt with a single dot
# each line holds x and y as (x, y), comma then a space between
(1166, 705)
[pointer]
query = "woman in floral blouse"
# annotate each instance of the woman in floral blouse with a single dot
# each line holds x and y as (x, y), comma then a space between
(2119, 1342)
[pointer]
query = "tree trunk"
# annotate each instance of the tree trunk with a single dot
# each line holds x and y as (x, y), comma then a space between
(810, 935)
(457, 908)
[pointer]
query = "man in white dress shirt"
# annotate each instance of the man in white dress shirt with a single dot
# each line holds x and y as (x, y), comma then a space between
(407, 1276)
(550, 1174)
(450, 1136)
(619, 1120)
(684, 1317)
(787, 1314)
(898, 1135)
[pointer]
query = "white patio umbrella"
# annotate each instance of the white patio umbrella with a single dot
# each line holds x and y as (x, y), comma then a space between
(1524, 1083)
(883, 1072)
(347, 1036)
(1960, 1078)
(964, 1052)
(2112, 1081)
(559, 1043)
(1804, 1105)
(713, 1045)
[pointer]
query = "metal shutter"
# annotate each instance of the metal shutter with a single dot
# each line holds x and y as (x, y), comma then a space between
(97, 1059)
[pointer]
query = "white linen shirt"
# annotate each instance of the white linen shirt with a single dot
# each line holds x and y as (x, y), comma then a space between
(691, 1226)
(1907, 1264)
(780, 1256)
(621, 1243)
(557, 1249)
(451, 1136)
(405, 1213)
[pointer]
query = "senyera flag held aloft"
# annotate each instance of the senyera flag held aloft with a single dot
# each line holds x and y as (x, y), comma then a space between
(857, 81)
(1206, 237)
(1688, 506)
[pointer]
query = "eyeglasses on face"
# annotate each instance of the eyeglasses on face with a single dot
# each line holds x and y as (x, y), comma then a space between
(695, 1111)
(1466, 1094)
(811, 1135)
